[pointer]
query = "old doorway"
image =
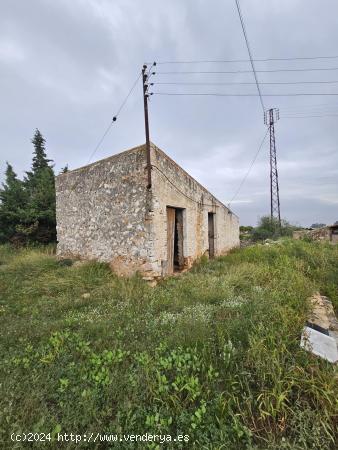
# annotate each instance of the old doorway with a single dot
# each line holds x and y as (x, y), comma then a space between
(211, 234)
(175, 259)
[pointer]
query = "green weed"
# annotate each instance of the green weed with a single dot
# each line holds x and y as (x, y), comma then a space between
(213, 354)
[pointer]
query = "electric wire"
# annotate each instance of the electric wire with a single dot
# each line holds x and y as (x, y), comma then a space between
(234, 83)
(216, 61)
(214, 94)
(250, 54)
(311, 106)
(114, 118)
(312, 110)
(187, 196)
(302, 69)
(309, 116)
(250, 167)
(149, 73)
(108, 129)
(306, 112)
(149, 70)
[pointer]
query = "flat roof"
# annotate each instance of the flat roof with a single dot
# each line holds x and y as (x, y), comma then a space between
(139, 147)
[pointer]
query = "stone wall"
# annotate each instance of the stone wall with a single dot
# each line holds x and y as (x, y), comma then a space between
(334, 234)
(105, 212)
(174, 187)
(101, 212)
(317, 234)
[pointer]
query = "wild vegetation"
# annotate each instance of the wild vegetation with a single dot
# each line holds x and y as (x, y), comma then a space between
(267, 229)
(213, 354)
(27, 207)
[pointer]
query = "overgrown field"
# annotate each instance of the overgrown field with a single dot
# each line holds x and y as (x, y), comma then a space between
(213, 354)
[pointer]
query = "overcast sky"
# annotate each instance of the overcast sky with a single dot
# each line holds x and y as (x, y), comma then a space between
(66, 66)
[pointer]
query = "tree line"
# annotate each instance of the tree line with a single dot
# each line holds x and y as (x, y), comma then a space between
(27, 206)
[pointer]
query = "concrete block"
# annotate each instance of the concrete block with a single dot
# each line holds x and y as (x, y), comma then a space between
(319, 344)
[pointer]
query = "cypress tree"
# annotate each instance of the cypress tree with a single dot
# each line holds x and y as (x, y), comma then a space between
(40, 187)
(27, 208)
(13, 202)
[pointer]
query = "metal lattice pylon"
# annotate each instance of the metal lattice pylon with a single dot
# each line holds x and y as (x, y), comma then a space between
(271, 116)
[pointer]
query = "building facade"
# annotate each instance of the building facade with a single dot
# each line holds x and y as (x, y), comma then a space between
(106, 212)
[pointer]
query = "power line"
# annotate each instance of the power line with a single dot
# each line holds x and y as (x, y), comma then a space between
(250, 55)
(309, 112)
(114, 118)
(241, 95)
(250, 167)
(108, 128)
(304, 58)
(307, 117)
(185, 195)
(184, 72)
(311, 106)
(234, 83)
(128, 95)
(317, 111)
(100, 141)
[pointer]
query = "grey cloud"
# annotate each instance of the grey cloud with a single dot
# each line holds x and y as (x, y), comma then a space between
(66, 67)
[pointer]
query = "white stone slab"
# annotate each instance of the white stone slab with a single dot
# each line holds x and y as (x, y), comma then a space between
(319, 344)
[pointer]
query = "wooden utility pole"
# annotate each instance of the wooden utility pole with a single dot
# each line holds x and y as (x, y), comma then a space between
(146, 123)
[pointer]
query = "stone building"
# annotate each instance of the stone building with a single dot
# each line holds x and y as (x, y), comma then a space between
(328, 233)
(106, 212)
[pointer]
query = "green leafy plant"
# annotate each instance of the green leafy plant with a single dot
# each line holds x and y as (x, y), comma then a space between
(213, 354)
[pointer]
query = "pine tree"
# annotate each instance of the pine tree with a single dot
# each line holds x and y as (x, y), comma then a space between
(13, 201)
(40, 187)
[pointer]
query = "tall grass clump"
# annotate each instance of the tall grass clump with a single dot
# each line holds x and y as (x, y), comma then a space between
(213, 354)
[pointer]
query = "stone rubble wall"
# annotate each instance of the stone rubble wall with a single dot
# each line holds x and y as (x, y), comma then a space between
(317, 234)
(172, 186)
(105, 212)
(101, 212)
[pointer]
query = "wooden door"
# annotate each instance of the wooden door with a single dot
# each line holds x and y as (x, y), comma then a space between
(211, 235)
(170, 239)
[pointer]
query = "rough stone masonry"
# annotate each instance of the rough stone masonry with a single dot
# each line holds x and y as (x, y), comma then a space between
(105, 212)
